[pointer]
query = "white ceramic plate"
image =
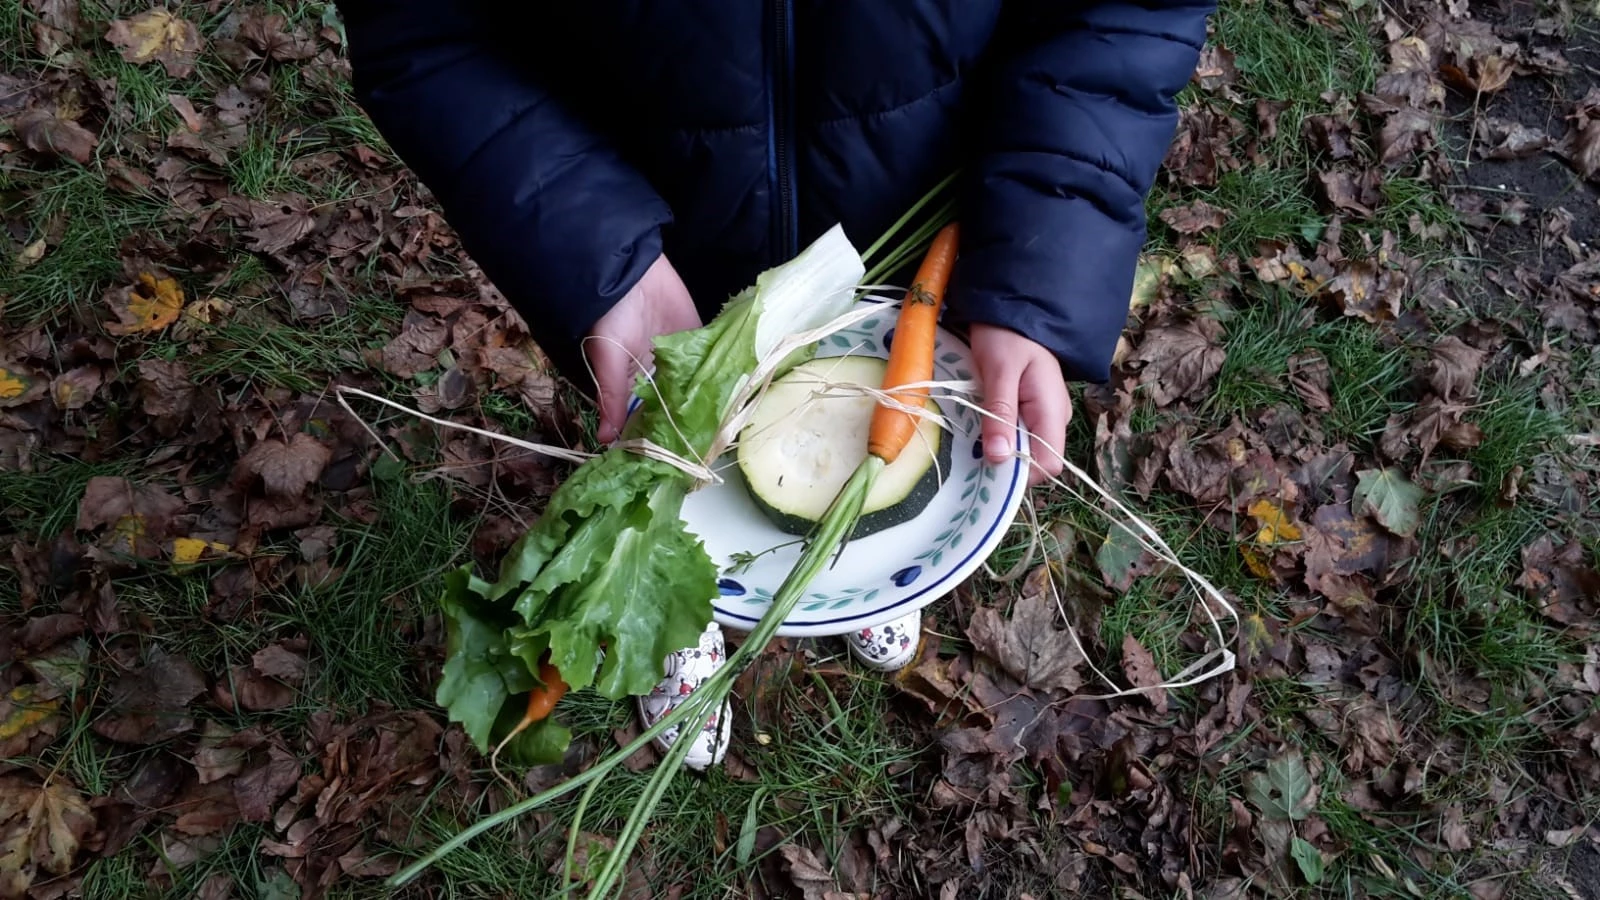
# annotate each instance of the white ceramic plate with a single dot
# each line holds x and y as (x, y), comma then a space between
(885, 575)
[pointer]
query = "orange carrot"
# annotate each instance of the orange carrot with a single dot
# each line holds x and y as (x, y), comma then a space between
(911, 356)
(544, 698)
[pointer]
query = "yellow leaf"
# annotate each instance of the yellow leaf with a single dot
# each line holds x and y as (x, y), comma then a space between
(151, 305)
(1256, 563)
(12, 384)
(158, 35)
(1275, 525)
(25, 712)
(186, 550)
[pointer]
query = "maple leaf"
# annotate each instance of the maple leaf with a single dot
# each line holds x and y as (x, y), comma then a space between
(50, 134)
(1180, 360)
(41, 828)
(287, 469)
(157, 35)
(1390, 498)
(150, 305)
(1028, 645)
(1341, 544)
(1453, 368)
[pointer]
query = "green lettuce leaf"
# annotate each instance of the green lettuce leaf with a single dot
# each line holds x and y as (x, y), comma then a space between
(480, 670)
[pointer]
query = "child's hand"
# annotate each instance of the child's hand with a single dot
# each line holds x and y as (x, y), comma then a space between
(1021, 377)
(658, 304)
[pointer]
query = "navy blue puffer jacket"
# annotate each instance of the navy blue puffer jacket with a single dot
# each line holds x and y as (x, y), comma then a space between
(569, 144)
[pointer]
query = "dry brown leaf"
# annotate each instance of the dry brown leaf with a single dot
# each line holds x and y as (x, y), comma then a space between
(1583, 148)
(164, 388)
(278, 226)
(1563, 581)
(150, 305)
(1140, 667)
(1028, 644)
(157, 35)
(42, 827)
(150, 705)
(74, 388)
(1453, 368)
(257, 790)
(1506, 139)
(186, 112)
(1311, 377)
(1195, 217)
(277, 661)
(1216, 68)
(1405, 133)
(48, 133)
(1180, 360)
(268, 34)
(1360, 194)
(247, 689)
(287, 469)
(1340, 544)
(416, 348)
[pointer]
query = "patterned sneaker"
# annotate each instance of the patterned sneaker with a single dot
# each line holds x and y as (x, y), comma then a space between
(687, 670)
(889, 646)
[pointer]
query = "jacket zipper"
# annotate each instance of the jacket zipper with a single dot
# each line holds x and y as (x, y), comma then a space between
(780, 109)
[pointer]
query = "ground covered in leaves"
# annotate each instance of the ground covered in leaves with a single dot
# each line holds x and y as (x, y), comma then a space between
(1359, 393)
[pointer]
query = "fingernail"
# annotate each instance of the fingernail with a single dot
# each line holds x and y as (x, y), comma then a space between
(997, 447)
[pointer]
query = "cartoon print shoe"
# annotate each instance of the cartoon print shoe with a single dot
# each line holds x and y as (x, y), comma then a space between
(889, 646)
(686, 670)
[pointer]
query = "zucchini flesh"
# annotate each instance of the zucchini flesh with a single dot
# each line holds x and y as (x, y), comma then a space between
(800, 446)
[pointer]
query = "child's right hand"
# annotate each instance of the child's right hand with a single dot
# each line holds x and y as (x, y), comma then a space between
(619, 344)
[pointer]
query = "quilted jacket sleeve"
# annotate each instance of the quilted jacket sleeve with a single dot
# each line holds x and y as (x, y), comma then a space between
(1076, 121)
(555, 218)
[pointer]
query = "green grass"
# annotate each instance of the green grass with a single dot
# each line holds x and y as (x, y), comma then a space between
(1369, 379)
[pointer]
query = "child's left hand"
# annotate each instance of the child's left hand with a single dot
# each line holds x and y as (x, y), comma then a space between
(1020, 376)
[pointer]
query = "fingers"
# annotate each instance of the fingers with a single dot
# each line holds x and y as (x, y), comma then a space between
(612, 371)
(1000, 383)
(1046, 411)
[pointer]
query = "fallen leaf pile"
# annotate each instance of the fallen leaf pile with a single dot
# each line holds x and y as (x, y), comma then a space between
(203, 240)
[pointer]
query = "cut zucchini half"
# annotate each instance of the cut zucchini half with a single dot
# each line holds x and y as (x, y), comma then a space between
(800, 446)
